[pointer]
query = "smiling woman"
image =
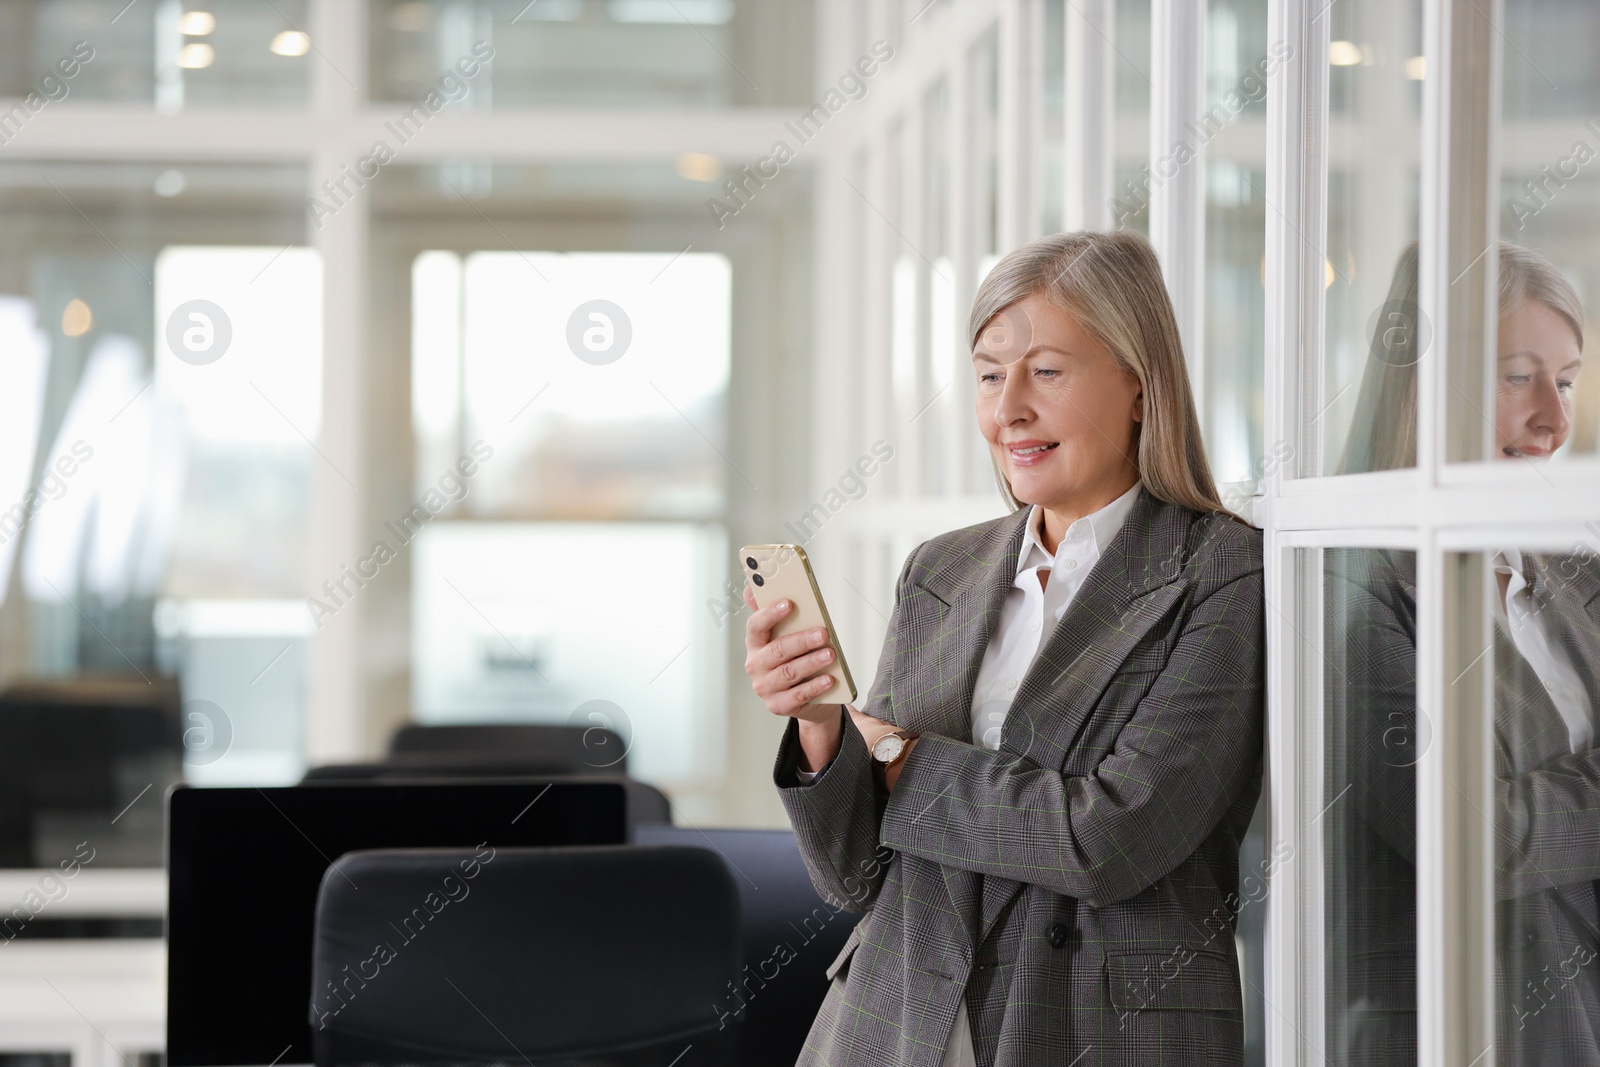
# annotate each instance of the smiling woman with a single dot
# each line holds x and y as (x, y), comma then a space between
(1064, 768)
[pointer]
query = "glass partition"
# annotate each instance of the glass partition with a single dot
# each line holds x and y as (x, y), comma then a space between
(167, 319)
(1550, 232)
(235, 53)
(1373, 736)
(1373, 331)
(608, 53)
(1544, 652)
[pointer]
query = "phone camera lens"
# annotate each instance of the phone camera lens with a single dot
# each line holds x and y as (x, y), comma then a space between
(758, 579)
(750, 561)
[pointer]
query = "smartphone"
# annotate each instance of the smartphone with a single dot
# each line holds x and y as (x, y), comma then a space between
(782, 572)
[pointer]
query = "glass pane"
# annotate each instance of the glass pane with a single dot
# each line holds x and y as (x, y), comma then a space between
(1130, 205)
(1051, 158)
(166, 327)
(1550, 228)
(649, 53)
(1374, 735)
(516, 622)
(1234, 133)
(585, 384)
(1545, 651)
(1373, 336)
(239, 52)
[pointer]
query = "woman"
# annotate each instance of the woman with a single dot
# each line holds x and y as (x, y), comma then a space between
(1546, 668)
(1040, 809)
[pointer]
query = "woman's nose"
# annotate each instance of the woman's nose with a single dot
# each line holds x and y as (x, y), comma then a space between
(1549, 414)
(1013, 402)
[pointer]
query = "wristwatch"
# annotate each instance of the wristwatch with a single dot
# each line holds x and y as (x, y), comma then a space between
(891, 747)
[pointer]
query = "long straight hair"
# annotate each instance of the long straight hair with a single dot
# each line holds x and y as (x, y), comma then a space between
(1383, 431)
(1111, 282)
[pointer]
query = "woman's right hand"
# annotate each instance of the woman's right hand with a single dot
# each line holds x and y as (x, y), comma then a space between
(783, 671)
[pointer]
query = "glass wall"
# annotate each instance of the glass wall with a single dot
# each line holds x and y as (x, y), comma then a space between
(168, 323)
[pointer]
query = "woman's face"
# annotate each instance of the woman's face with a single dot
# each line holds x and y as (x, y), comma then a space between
(1044, 379)
(1538, 362)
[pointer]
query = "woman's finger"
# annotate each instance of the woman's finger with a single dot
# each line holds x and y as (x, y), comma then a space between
(758, 628)
(795, 702)
(791, 647)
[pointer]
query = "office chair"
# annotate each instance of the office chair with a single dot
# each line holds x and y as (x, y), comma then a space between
(539, 748)
(790, 937)
(608, 955)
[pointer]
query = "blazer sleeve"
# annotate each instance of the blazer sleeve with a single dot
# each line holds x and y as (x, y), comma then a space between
(1547, 833)
(1176, 766)
(837, 817)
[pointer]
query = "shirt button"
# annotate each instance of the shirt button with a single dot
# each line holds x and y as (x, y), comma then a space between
(1035, 626)
(1012, 684)
(1070, 564)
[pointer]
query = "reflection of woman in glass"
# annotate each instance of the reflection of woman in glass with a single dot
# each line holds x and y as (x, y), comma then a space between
(1547, 687)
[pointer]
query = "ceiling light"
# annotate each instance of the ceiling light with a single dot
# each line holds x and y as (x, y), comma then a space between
(197, 23)
(1416, 68)
(291, 43)
(411, 18)
(699, 167)
(197, 56)
(1344, 53)
(76, 318)
(170, 183)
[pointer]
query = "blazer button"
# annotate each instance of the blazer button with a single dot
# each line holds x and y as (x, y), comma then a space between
(1060, 935)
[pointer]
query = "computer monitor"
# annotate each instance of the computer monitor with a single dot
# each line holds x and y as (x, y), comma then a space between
(87, 760)
(244, 866)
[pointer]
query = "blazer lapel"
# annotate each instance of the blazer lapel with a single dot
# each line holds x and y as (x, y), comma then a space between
(970, 582)
(1134, 584)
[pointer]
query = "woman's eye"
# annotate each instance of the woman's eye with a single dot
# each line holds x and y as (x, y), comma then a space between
(987, 377)
(1519, 379)
(1047, 370)
(1565, 387)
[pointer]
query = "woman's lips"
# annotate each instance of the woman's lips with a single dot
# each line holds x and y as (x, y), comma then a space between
(1531, 451)
(1030, 458)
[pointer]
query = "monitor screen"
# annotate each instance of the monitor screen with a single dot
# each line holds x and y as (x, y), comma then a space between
(244, 866)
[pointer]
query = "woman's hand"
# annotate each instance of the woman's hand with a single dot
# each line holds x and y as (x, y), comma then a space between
(783, 674)
(871, 729)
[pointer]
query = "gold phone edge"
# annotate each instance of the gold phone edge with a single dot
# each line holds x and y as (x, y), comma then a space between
(827, 620)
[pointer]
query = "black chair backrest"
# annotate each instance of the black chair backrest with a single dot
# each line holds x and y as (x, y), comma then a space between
(602, 953)
(790, 937)
(646, 803)
(70, 755)
(535, 748)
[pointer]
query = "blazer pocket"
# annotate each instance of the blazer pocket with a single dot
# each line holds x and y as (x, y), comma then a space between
(845, 953)
(1163, 981)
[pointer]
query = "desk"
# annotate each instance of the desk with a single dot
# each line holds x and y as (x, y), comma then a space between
(100, 999)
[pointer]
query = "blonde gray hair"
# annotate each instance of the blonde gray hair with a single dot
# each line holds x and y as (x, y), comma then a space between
(1111, 282)
(1383, 432)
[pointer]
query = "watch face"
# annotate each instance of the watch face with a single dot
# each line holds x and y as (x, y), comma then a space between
(887, 748)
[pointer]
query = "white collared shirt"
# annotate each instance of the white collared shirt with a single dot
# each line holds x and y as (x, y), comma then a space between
(1550, 662)
(1031, 613)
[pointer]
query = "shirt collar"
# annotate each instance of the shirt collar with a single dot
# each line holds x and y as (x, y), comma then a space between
(1102, 525)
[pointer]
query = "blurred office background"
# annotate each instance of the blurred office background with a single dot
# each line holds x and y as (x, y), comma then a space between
(294, 300)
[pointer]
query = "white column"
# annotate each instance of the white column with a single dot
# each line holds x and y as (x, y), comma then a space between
(1178, 167)
(1090, 100)
(335, 706)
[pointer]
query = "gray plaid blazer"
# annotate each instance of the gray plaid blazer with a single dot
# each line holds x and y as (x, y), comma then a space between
(1078, 885)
